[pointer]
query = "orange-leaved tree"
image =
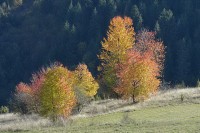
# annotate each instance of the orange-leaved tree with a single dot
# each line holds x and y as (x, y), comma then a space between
(120, 38)
(23, 88)
(57, 97)
(137, 76)
(22, 101)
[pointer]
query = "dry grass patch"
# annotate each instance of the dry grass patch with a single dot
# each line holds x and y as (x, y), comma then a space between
(16, 122)
(162, 98)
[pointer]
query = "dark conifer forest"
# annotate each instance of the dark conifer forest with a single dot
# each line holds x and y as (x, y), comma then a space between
(35, 33)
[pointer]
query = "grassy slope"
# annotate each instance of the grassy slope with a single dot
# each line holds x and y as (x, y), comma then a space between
(155, 117)
(181, 118)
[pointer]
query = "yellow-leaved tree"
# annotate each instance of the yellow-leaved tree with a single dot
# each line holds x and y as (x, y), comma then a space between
(84, 81)
(56, 95)
(85, 85)
(120, 38)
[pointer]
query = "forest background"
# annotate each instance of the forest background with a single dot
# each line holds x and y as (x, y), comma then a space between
(35, 33)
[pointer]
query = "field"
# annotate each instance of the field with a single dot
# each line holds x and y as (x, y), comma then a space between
(169, 111)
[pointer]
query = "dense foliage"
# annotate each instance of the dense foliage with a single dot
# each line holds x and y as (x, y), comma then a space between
(140, 75)
(57, 97)
(120, 38)
(84, 81)
(85, 86)
(55, 91)
(38, 32)
(132, 70)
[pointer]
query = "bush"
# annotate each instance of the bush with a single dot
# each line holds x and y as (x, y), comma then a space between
(198, 83)
(82, 100)
(26, 97)
(4, 110)
(20, 102)
(165, 85)
(54, 91)
(181, 85)
(97, 98)
(84, 86)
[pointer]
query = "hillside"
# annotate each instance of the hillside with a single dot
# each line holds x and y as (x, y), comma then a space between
(166, 112)
(35, 33)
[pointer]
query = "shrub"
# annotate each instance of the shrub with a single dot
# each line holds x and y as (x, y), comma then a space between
(54, 91)
(21, 103)
(85, 86)
(82, 100)
(26, 97)
(97, 98)
(4, 110)
(198, 83)
(181, 85)
(84, 81)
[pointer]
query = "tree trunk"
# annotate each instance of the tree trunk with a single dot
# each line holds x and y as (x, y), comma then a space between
(133, 98)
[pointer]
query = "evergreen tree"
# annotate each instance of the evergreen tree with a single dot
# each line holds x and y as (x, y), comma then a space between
(137, 17)
(183, 64)
(102, 3)
(157, 27)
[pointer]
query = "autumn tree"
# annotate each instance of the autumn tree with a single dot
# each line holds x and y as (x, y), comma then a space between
(137, 16)
(57, 97)
(26, 96)
(22, 99)
(37, 81)
(146, 42)
(85, 81)
(137, 77)
(120, 38)
(85, 85)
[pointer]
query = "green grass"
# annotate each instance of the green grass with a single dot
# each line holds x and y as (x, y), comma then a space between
(181, 118)
(176, 110)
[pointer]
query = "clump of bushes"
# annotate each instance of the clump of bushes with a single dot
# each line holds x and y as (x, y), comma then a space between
(55, 91)
(4, 110)
(198, 83)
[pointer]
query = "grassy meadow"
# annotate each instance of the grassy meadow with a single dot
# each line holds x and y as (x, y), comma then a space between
(169, 111)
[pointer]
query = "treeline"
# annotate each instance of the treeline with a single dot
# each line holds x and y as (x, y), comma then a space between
(37, 32)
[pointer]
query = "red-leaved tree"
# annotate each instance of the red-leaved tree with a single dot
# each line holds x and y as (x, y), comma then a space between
(139, 76)
(27, 95)
(146, 42)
